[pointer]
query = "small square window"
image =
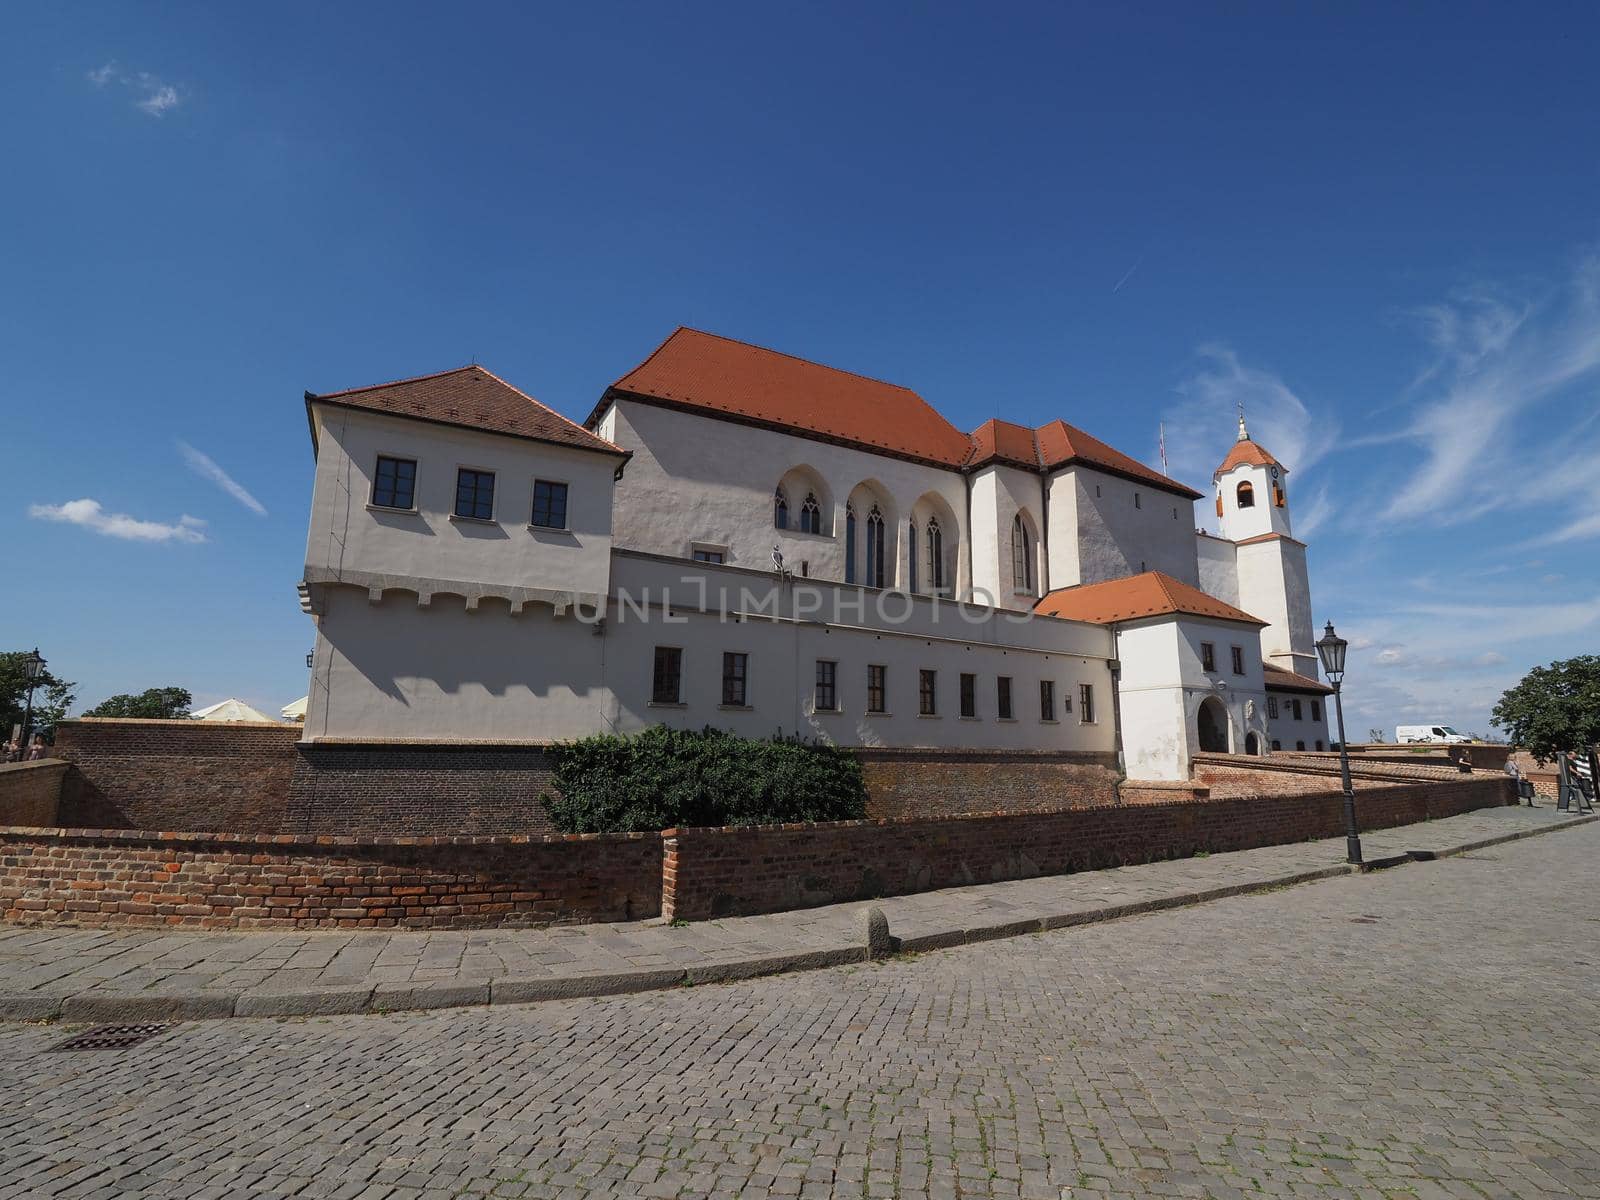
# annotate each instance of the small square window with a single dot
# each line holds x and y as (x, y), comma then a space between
(710, 556)
(827, 698)
(394, 483)
(549, 504)
(1208, 657)
(877, 688)
(475, 494)
(1002, 697)
(735, 668)
(666, 684)
(1238, 660)
(1047, 700)
(1086, 703)
(1138, 500)
(969, 695)
(927, 698)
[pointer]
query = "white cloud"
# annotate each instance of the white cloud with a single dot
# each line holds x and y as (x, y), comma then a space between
(89, 515)
(206, 467)
(150, 94)
(1204, 423)
(1494, 359)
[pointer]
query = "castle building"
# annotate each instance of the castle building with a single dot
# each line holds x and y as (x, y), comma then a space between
(742, 538)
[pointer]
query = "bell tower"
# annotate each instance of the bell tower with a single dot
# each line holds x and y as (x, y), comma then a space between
(1252, 490)
(1274, 584)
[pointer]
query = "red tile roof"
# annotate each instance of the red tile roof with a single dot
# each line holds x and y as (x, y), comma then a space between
(472, 398)
(1247, 453)
(1293, 681)
(1151, 594)
(699, 370)
(1060, 444)
(704, 371)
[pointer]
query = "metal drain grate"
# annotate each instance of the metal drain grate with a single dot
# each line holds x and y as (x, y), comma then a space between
(112, 1037)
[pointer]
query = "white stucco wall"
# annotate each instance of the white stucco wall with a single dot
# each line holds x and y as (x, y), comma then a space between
(1219, 569)
(999, 493)
(393, 669)
(1164, 683)
(1125, 528)
(348, 537)
(696, 480)
(1274, 584)
(1306, 731)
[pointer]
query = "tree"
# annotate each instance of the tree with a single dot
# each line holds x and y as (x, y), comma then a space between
(51, 698)
(155, 704)
(1554, 708)
(1375, 736)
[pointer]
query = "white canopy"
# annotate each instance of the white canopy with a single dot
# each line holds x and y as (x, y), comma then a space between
(232, 710)
(295, 710)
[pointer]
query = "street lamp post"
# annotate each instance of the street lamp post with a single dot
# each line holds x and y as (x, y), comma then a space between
(32, 668)
(1331, 648)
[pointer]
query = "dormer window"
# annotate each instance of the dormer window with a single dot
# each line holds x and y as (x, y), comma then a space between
(1245, 497)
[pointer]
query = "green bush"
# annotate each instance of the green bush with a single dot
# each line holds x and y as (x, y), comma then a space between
(664, 777)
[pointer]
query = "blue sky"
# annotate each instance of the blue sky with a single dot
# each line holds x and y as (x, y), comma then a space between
(1376, 225)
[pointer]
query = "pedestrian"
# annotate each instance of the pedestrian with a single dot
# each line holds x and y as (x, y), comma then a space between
(37, 750)
(11, 754)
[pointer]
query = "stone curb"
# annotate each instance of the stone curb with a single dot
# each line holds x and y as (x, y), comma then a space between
(104, 1007)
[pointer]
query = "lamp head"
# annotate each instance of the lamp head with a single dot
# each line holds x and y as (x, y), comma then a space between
(1330, 649)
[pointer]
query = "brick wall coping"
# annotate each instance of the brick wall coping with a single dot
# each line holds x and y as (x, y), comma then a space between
(185, 722)
(1256, 762)
(60, 764)
(184, 838)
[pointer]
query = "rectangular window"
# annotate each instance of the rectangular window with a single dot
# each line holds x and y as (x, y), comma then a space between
(1272, 707)
(475, 494)
(969, 695)
(394, 484)
(1238, 660)
(827, 699)
(666, 684)
(1316, 710)
(1294, 709)
(877, 688)
(549, 504)
(1047, 700)
(1208, 657)
(709, 556)
(1138, 501)
(735, 667)
(927, 701)
(1086, 703)
(1002, 697)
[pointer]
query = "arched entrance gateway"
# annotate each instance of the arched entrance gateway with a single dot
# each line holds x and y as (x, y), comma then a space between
(1252, 744)
(1212, 720)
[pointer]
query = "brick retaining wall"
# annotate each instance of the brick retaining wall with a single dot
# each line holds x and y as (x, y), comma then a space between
(938, 783)
(210, 776)
(217, 881)
(362, 789)
(30, 792)
(732, 872)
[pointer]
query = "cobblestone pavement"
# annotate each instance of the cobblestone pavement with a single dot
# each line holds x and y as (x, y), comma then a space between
(135, 974)
(1423, 1032)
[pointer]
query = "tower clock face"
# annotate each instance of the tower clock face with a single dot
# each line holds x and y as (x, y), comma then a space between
(1274, 473)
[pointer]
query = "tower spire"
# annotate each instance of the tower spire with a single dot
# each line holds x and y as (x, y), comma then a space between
(1244, 434)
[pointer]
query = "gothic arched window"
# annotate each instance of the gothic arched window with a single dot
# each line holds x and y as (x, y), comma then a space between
(1246, 496)
(911, 557)
(875, 548)
(1021, 556)
(935, 555)
(780, 509)
(849, 543)
(810, 515)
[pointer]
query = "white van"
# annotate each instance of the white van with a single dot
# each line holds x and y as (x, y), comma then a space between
(1428, 733)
